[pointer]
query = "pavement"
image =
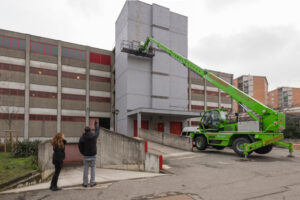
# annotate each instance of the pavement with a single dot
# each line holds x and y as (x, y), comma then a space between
(72, 176)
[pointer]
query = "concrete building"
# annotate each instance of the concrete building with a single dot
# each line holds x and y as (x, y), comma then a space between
(284, 97)
(49, 86)
(158, 93)
(255, 86)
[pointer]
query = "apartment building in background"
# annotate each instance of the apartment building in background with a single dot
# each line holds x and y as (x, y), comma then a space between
(49, 86)
(284, 97)
(255, 86)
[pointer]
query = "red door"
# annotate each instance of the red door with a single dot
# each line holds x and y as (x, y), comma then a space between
(160, 127)
(175, 128)
(144, 125)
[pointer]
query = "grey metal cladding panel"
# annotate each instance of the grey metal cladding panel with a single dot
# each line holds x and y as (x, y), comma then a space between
(36, 102)
(121, 85)
(179, 88)
(179, 43)
(140, 12)
(42, 128)
(178, 69)
(72, 129)
(99, 86)
(100, 67)
(121, 105)
(121, 65)
(102, 107)
(160, 103)
(139, 82)
(197, 97)
(17, 125)
(73, 62)
(42, 58)
(138, 31)
(178, 23)
(160, 85)
(178, 104)
(163, 36)
(122, 20)
(161, 62)
(160, 16)
(12, 76)
(139, 64)
(123, 35)
(73, 83)
(18, 101)
(73, 105)
(43, 79)
(135, 101)
(211, 98)
(12, 53)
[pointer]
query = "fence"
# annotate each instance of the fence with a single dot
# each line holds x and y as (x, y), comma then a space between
(7, 140)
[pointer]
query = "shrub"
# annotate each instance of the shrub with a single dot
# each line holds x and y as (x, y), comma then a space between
(26, 148)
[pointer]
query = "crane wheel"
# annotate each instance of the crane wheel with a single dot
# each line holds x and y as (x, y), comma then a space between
(238, 145)
(264, 150)
(200, 142)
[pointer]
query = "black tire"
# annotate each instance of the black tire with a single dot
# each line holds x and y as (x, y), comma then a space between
(237, 145)
(264, 150)
(200, 142)
(219, 147)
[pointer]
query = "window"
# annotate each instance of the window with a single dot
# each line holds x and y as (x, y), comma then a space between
(100, 58)
(12, 43)
(43, 49)
(73, 53)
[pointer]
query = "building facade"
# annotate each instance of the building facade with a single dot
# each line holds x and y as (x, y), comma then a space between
(255, 86)
(284, 97)
(158, 93)
(49, 86)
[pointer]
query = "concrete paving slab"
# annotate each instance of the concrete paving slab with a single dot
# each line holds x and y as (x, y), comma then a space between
(71, 177)
(166, 151)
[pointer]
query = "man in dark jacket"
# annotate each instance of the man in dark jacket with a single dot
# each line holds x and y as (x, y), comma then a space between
(88, 148)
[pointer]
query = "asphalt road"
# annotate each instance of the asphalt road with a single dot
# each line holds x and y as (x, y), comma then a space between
(208, 175)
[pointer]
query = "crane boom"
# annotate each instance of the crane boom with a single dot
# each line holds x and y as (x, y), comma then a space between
(272, 121)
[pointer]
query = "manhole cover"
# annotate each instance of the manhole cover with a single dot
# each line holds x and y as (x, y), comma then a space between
(176, 197)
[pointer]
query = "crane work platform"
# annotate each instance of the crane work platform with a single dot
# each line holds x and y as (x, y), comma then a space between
(133, 47)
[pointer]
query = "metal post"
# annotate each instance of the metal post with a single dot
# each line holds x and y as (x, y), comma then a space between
(139, 116)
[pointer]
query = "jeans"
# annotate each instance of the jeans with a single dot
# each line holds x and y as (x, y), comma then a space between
(89, 162)
(58, 167)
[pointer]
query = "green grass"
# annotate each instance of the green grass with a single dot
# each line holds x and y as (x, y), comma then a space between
(12, 167)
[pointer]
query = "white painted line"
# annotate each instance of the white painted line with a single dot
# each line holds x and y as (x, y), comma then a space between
(79, 113)
(43, 65)
(42, 111)
(14, 61)
(100, 73)
(12, 109)
(73, 91)
(71, 69)
(12, 85)
(44, 88)
(99, 93)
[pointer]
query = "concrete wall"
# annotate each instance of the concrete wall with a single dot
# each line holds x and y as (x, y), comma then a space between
(184, 143)
(117, 151)
(45, 159)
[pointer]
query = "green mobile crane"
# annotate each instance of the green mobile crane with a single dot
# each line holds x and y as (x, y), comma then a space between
(214, 127)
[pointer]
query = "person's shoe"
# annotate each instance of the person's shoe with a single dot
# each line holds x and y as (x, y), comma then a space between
(55, 188)
(93, 185)
(84, 185)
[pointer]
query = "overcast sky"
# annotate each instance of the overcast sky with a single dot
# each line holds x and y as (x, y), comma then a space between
(257, 37)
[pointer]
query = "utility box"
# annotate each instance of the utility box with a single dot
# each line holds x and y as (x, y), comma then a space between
(248, 126)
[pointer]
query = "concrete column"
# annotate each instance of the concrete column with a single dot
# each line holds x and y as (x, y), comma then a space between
(59, 68)
(205, 95)
(139, 117)
(27, 88)
(219, 99)
(87, 89)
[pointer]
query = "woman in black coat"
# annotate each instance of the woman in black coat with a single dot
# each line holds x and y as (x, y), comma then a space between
(58, 142)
